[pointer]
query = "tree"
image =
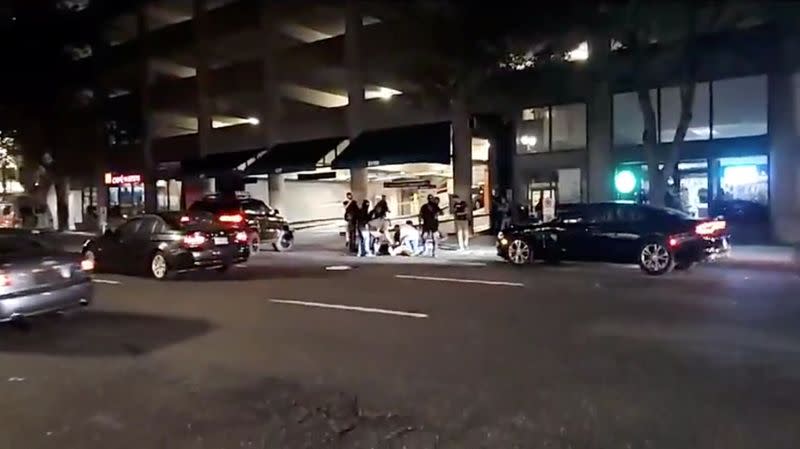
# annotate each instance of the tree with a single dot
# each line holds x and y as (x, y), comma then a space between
(643, 26)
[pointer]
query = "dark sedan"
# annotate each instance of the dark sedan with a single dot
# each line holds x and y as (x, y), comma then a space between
(166, 243)
(36, 279)
(658, 239)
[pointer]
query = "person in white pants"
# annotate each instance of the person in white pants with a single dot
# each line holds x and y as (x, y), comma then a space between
(461, 221)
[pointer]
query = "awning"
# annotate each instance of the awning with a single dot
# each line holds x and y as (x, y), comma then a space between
(294, 157)
(419, 143)
(219, 163)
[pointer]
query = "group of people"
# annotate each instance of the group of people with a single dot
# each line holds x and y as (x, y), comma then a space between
(368, 228)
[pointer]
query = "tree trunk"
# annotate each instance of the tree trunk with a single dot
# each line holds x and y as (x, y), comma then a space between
(62, 202)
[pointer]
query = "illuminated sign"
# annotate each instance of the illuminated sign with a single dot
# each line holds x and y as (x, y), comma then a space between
(625, 181)
(114, 180)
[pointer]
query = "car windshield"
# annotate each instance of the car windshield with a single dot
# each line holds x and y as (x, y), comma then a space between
(217, 206)
(676, 213)
(190, 220)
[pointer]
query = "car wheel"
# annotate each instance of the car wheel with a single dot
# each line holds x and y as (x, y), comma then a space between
(283, 244)
(90, 255)
(519, 252)
(655, 259)
(158, 266)
(683, 266)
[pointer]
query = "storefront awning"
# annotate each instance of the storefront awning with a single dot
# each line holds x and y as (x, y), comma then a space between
(410, 144)
(294, 157)
(219, 163)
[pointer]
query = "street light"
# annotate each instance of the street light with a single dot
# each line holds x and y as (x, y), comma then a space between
(253, 120)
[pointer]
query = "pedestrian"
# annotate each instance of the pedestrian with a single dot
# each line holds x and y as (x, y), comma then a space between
(429, 218)
(504, 213)
(381, 209)
(364, 235)
(406, 240)
(461, 220)
(351, 211)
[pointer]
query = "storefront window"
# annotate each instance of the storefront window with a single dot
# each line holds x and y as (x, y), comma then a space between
(699, 127)
(569, 126)
(744, 178)
(533, 135)
(628, 122)
(740, 107)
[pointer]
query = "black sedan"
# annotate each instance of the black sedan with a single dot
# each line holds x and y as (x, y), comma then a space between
(658, 239)
(166, 243)
(36, 279)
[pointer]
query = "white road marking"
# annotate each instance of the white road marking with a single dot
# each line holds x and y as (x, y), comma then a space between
(338, 268)
(463, 281)
(325, 305)
(241, 265)
(106, 281)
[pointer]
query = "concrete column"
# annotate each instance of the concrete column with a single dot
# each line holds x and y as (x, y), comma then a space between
(146, 110)
(462, 150)
(355, 91)
(784, 160)
(599, 123)
(203, 73)
(270, 83)
(275, 185)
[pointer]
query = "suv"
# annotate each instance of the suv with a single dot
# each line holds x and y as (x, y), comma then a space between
(263, 224)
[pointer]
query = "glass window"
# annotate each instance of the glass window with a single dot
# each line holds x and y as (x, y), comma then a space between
(147, 227)
(533, 134)
(602, 213)
(699, 127)
(740, 107)
(130, 228)
(569, 126)
(630, 213)
(744, 178)
(628, 122)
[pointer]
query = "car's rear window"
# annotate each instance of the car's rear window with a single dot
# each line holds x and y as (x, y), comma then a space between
(255, 207)
(197, 220)
(217, 206)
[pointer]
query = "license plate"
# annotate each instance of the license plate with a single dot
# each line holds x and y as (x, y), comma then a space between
(220, 240)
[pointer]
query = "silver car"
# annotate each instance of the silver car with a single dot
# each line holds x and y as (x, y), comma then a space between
(37, 279)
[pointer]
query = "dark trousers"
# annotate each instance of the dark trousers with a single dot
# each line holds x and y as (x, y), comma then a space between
(352, 237)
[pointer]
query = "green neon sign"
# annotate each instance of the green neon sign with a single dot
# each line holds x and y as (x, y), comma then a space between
(625, 181)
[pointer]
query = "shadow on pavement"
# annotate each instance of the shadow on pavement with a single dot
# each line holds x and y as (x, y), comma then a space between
(99, 333)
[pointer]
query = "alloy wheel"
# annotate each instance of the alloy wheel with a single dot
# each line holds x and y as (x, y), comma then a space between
(655, 257)
(519, 252)
(158, 266)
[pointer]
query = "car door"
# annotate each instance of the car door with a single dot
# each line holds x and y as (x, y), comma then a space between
(599, 231)
(625, 232)
(142, 245)
(572, 233)
(123, 246)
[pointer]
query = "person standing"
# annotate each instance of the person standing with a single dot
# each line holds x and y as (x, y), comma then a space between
(429, 217)
(461, 220)
(504, 212)
(381, 209)
(351, 211)
(364, 236)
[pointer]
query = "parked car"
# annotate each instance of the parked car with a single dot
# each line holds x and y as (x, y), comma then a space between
(24, 212)
(658, 239)
(263, 224)
(167, 243)
(36, 279)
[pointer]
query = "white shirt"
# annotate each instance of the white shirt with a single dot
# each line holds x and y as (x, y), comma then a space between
(408, 232)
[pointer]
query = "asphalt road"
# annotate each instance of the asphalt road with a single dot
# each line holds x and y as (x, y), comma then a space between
(284, 353)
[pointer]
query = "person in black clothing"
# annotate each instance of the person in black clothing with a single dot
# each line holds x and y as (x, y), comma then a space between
(351, 210)
(429, 216)
(381, 209)
(461, 221)
(363, 218)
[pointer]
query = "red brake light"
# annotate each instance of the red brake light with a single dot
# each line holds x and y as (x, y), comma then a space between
(673, 241)
(241, 237)
(194, 240)
(710, 227)
(5, 279)
(234, 218)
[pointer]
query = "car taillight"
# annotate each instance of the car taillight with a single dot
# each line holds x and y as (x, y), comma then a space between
(234, 218)
(710, 227)
(194, 240)
(87, 265)
(5, 279)
(241, 237)
(185, 219)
